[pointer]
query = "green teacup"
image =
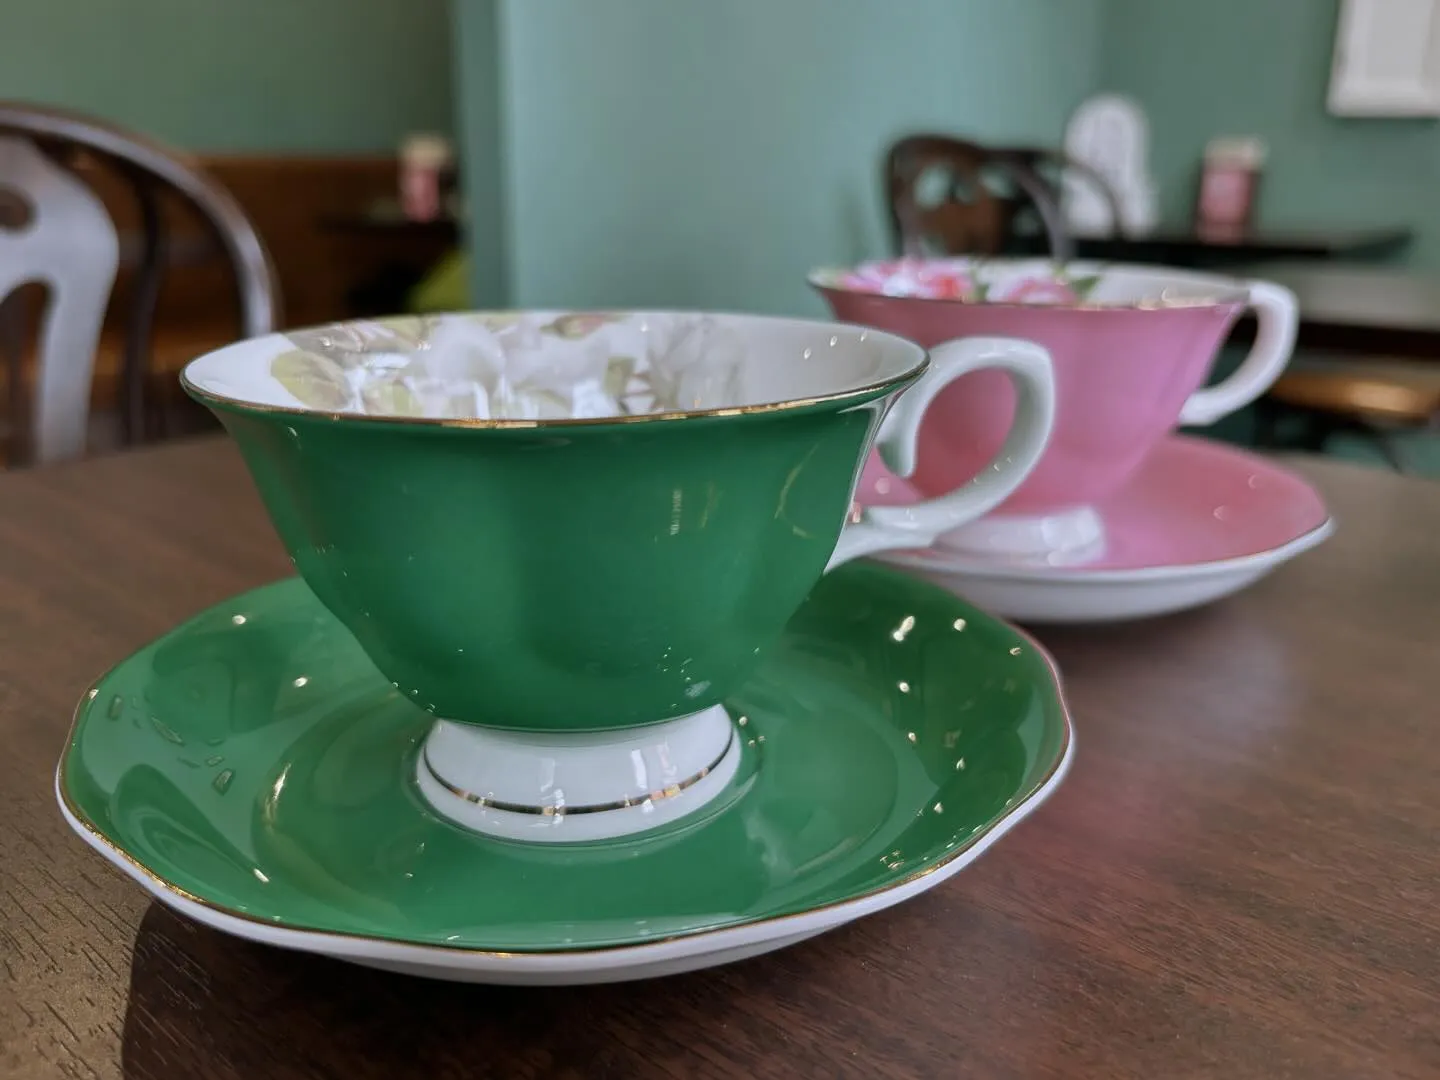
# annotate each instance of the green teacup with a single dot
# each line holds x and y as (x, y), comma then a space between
(571, 536)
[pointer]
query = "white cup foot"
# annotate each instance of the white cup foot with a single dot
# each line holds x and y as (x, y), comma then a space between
(543, 787)
(1067, 538)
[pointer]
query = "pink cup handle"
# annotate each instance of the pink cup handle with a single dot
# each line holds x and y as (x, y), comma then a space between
(1278, 314)
(919, 524)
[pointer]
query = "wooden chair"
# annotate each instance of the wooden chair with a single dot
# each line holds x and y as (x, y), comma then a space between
(984, 192)
(55, 233)
(980, 193)
(1048, 170)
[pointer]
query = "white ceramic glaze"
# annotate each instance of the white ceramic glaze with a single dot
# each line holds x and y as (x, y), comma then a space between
(551, 365)
(1064, 538)
(881, 528)
(1201, 520)
(1057, 596)
(577, 786)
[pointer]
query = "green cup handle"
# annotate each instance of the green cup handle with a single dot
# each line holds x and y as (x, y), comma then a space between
(881, 528)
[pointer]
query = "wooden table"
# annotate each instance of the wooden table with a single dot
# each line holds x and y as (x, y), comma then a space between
(1239, 878)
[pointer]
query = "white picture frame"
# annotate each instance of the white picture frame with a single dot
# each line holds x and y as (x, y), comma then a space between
(1387, 59)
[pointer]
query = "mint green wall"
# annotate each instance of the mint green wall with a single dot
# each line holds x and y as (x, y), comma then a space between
(1262, 67)
(306, 76)
(479, 90)
(670, 152)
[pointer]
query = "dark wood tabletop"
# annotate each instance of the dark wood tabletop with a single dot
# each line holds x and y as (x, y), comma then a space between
(1184, 245)
(1238, 879)
(1167, 244)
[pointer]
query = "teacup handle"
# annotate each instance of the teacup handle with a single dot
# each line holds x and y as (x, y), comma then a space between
(1278, 314)
(880, 528)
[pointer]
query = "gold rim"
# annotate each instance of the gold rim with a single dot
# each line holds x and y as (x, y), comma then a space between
(485, 801)
(858, 394)
(120, 855)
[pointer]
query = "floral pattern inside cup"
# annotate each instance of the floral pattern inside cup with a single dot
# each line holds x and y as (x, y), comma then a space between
(968, 279)
(512, 366)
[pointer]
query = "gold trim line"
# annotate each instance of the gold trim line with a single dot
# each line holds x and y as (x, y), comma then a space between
(895, 382)
(667, 792)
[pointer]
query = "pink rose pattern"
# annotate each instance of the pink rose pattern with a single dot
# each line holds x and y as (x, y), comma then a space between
(1034, 290)
(962, 279)
(932, 279)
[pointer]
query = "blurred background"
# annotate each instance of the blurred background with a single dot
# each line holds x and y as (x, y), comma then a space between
(417, 155)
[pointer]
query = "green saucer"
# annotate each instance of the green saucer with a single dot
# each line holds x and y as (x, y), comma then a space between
(253, 765)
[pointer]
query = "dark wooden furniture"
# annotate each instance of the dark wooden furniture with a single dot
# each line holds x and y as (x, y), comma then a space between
(1238, 879)
(1170, 246)
(291, 200)
(295, 201)
(384, 216)
(979, 193)
(405, 249)
(50, 403)
(1046, 171)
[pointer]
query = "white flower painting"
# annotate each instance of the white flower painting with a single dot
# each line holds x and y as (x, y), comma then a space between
(513, 366)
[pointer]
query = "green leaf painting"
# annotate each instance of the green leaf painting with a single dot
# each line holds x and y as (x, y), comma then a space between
(408, 331)
(579, 325)
(390, 398)
(315, 381)
(495, 321)
(510, 365)
(618, 373)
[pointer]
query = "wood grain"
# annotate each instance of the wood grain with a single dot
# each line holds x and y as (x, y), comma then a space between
(1237, 880)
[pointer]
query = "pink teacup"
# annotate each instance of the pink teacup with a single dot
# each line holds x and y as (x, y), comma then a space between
(1131, 347)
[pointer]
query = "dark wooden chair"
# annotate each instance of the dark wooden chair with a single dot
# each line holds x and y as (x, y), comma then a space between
(983, 196)
(57, 234)
(949, 196)
(1047, 170)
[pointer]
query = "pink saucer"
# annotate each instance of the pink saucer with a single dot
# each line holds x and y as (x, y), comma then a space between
(1192, 502)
